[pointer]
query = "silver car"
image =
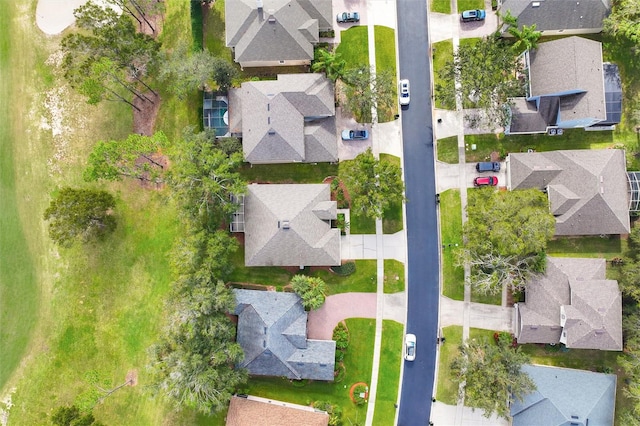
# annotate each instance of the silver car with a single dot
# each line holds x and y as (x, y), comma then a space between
(410, 347)
(405, 97)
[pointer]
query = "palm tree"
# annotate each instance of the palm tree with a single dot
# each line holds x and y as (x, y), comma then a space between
(329, 63)
(526, 38)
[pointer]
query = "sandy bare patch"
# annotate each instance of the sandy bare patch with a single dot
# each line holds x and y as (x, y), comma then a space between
(54, 16)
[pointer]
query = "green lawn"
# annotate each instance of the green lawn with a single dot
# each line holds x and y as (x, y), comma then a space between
(448, 150)
(361, 224)
(354, 47)
(447, 390)
(470, 4)
(214, 26)
(363, 280)
(451, 229)
(389, 374)
(392, 217)
(385, 41)
(19, 299)
(358, 362)
(607, 247)
(441, 6)
(490, 299)
(480, 333)
(393, 276)
(288, 173)
(442, 54)
(571, 139)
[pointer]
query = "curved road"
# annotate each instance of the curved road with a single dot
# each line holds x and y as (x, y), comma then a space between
(422, 229)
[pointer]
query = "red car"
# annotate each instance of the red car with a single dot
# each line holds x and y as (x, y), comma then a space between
(485, 181)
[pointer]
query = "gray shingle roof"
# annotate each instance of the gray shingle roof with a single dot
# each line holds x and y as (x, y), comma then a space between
(287, 120)
(568, 65)
(272, 331)
(551, 15)
(288, 225)
(282, 30)
(566, 397)
(587, 189)
(578, 289)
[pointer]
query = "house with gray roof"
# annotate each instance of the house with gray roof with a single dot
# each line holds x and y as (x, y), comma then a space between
(268, 33)
(566, 397)
(288, 120)
(572, 303)
(558, 17)
(588, 190)
(290, 225)
(569, 86)
(272, 331)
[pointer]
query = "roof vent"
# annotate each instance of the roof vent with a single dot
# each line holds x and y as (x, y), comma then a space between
(535, 4)
(285, 224)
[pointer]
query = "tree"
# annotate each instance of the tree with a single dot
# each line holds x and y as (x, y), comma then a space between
(141, 10)
(185, 71)
(312, 291)
(80, 214)
(108, 58)
(365, 90)
(71, 416)
(204, 179)
(488, 73)
(492, 376)
(630, 363)
(623, 23)
(373, 185)
(329, 63)
(135, 157)
(629, 279)
(526, 38)
(506, 237)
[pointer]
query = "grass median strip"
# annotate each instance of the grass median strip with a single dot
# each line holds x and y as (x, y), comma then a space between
(451, 229)
(389, 372)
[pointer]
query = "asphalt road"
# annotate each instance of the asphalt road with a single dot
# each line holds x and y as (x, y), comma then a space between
(422, 229)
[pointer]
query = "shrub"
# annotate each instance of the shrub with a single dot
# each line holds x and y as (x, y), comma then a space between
(339, 357)
(341, 336)
(344, 269)
(357, 392)
(340, 373)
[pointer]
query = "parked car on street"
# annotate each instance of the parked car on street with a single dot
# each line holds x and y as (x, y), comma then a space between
(486, 181)
(404, 92)
(410, 347)
(488, 166)
(348, 17)
(473, 15)
(354, 135)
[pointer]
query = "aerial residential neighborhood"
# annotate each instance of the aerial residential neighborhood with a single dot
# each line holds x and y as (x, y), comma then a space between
(320, 212)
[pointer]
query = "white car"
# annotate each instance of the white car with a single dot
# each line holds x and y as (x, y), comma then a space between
(410, 347)
(404, 92)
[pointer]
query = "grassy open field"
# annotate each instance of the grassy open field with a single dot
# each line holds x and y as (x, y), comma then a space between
(69, 315)
(354, 46)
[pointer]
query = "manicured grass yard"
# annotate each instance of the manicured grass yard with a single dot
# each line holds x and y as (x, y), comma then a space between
(393, 276)
(214, 26)
(571, 139)
(490, 299)
(288, 173)
(354, 47)
(363, 280)
(385, 41)
(447, 391)
(361, 224)
(441, 6)
(392, 217)
(389, 373)
(448, 150)
(442, 54)
(451, 229)
(470, 4)
(358, 362)
(607, 247)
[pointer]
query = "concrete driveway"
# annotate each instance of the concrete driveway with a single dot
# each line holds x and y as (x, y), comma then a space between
(348, 150)
(448, 175)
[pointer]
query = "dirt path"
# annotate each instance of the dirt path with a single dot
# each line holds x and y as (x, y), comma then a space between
(339, 307)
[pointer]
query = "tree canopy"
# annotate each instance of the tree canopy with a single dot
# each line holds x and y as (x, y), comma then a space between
(506, 237)
(373, 185)
(488, 74)
(80, 215)
(107, 58)
(623, 23)
(312, 291)
(135, 157)
(204, 178)
(329, 63)
(492, 375)
(365, 89)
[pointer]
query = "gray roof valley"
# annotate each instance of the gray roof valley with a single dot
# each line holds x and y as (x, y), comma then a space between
(272, 331)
